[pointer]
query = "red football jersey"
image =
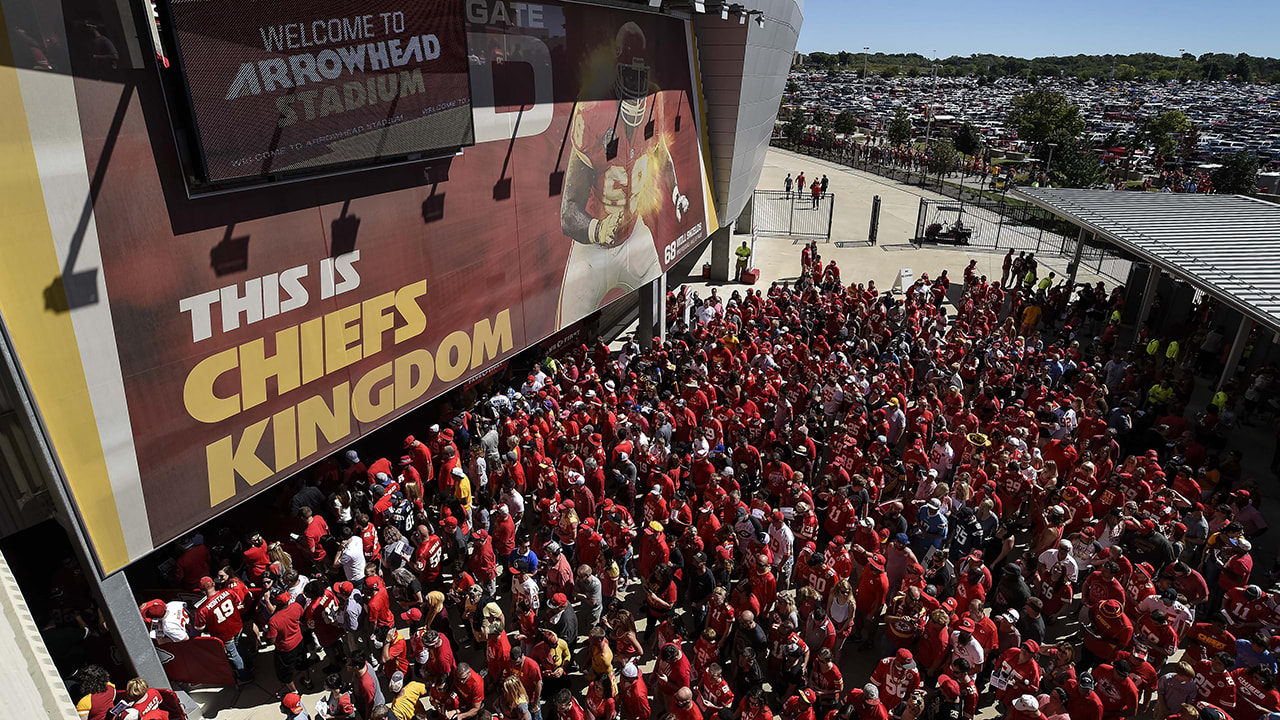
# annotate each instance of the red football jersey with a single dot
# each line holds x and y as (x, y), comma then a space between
(219, 613)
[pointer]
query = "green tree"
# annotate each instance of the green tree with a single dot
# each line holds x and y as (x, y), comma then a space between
(1162, 76)
(1211, 71)
(795, 127)
(844, 57)
(1045, 116)
(1075, 166)
(792, 87)
(913, 71)
(1238, 174)
(826, 138)
(845, 122)
(899, 132)
(968, 140)
(1165, 131)
(822, 118)
(1243, 69)
(889, 71)
(1126, 72)
(943, 158)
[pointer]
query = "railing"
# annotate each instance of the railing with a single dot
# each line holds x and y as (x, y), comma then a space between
(774, 212)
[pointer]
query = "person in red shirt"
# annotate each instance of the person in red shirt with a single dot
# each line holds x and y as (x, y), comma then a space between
(1214, 680)
(754, 707)
(1016, 672)
(468, 686)
(1206, 639)
(316, 528)
(671, 672)
(682, 706)
(800, 705)
(567, 706)
(284, 628)
(896, 678)
(933, 649)
(873, 590)
(1256, 693)
(218, 613)
(1116, 690)
(633, 695)
(497, 652)
(256, 558)
(864, 704)
(395, 658)
(1102, 585)
(826, 681)
(440, 661)
(1109, 631)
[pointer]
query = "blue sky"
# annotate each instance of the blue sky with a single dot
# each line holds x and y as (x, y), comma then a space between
(1032, 28)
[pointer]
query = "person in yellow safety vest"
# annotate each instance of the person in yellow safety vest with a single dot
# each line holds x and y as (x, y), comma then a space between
(744, 256)
(1030, 278)
(1047, 282)
(1171, 351)
(1153, 347)
(1219, 400)
(1159, 394)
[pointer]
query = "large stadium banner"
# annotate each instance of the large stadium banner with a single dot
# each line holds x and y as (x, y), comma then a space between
(231, 340)
(278, 87)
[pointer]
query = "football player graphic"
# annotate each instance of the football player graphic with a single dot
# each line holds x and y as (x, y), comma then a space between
(619, 180)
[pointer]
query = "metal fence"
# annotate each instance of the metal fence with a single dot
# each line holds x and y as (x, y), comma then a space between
(774, 212)
(996, 220)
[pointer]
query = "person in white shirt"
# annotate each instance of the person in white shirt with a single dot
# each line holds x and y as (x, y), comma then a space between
(965, 645)
(351, 559)
(782, 544)
(173, 625)
(1060, 555)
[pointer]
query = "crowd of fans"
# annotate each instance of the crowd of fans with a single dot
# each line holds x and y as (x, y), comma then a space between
(1017, 516)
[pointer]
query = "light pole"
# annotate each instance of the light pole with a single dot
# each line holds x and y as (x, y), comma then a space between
(1177, 74)
(1049, 163)
(933, 96)
(865, 50)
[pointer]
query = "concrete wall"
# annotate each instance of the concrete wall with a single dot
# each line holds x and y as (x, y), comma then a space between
(29, 682)
(744, 72)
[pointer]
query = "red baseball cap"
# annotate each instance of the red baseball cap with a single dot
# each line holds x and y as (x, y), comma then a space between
(292, 702)
(344, 588)
(411, 615)
(966, 625)
(559, 600)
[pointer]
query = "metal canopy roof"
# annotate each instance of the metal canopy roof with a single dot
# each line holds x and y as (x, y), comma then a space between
(1225, 245)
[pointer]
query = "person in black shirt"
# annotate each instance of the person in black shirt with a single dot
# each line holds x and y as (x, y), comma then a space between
(702, 582)
(946, 703)
(1031, 622)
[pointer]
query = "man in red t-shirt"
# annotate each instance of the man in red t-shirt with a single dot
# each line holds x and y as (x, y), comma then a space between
(1116, 690)
(469, 687)
(285, 628)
